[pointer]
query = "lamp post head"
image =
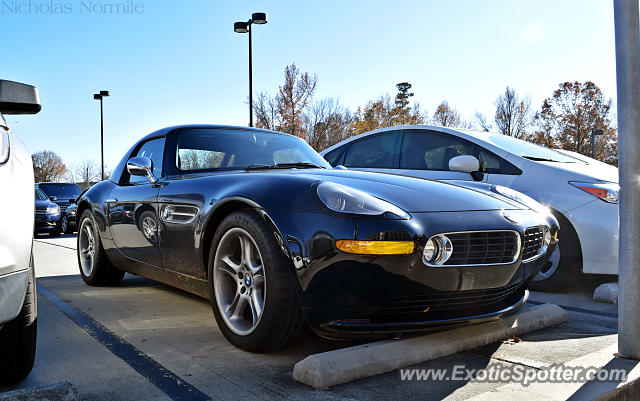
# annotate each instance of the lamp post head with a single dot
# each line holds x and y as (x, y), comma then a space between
(97, 96)
(241, 27)
(104, 93)
(597, 131)
(259, 18)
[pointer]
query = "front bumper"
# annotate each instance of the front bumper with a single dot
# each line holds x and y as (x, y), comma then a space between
(13, 287)
(47, 222)
(345, 295)
(597, 226)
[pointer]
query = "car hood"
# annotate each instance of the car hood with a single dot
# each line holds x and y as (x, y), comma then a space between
(587, 171)
(411, 194)
(42, 204)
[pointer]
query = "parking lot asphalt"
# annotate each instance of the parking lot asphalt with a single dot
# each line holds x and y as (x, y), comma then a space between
(143, 340)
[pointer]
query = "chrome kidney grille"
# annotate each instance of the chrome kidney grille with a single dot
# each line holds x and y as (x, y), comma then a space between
(483, 248)
(533, 243)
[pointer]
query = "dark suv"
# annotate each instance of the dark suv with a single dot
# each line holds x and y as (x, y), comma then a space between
(63, 194)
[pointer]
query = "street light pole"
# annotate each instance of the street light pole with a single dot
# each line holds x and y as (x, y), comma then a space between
(245, 27)
(628, 83)
(100, 96)
(250, 81)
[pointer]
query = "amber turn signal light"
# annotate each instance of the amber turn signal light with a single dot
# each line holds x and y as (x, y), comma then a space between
(376, 247)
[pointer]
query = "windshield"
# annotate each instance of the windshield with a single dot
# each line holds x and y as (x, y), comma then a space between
(212, 149)
(529, 150)
(40, 195)
(70, 191)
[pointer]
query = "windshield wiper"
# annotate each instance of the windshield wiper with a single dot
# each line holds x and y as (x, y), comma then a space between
(282, 166)
(540, 159)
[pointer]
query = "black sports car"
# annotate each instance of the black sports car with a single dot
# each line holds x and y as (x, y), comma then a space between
(261, 224)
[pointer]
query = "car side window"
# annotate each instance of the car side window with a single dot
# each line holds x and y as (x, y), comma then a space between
(375, 151)
(334, 156)
(154, 150)
(428, 150)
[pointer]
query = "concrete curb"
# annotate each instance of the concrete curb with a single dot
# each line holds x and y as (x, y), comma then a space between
(331, 368)
(63, 391)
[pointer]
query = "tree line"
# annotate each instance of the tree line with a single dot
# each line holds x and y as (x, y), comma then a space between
(565, 120)
(49, 167)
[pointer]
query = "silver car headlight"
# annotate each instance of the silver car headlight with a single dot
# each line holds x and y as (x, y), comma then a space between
(606, 191)
(342, 199)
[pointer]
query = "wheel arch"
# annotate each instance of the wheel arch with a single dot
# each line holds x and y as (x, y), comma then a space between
(565, 224)
(221, 210)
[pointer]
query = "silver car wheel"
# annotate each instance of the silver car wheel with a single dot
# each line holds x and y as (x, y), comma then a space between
(150, 228)
(239, 281)
(87, 249)
(545, 273)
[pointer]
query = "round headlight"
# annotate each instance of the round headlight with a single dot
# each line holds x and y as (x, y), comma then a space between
(430, 250)
(437, 250)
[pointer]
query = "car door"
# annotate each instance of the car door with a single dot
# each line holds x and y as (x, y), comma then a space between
(426, 154)
(133, 209)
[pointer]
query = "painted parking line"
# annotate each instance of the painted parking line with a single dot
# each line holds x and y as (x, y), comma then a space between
(165, 380)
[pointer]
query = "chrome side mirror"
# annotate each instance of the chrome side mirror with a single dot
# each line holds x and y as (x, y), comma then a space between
(464, 164)
(141, 166)
(53, 198)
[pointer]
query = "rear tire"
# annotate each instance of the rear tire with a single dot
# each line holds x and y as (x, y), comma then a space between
(566, 269)
(247, 268)
(95, 268)
(18, 338)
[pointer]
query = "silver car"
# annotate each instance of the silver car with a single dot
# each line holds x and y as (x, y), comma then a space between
(582, 193)
(18, 312)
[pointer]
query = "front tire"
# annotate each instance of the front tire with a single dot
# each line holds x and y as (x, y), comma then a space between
(18, 338)
(95, 268)
(563, 267)
(252, 285)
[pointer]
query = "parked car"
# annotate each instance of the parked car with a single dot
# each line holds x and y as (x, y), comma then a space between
(18, 311)
(582, 195)
(64, 194)
(48, 215)
(262, 222)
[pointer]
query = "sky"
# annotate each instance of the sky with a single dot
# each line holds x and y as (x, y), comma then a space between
(169, 62)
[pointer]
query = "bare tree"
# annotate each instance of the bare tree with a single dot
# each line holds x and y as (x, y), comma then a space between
(265, 108)
(85, 173)
(293, 97)
(513, 114)
(326, 123)
(446, 116)
(48, 166)
(481, 121)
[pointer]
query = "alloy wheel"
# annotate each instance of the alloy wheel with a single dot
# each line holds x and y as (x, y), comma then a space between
(239, 281)
(87, 248)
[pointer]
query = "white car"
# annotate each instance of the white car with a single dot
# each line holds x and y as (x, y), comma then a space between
(582, 193)
(18, 311)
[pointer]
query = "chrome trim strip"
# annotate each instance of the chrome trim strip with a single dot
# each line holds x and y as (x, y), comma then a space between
(168, 212)
(515, 257)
